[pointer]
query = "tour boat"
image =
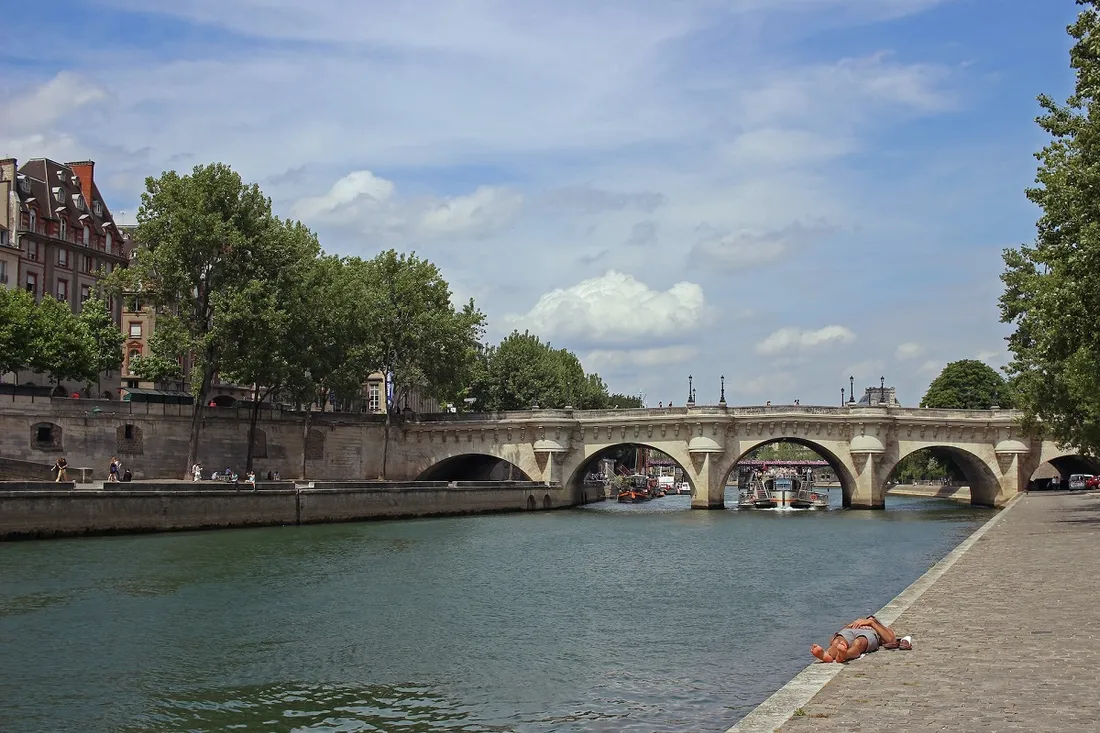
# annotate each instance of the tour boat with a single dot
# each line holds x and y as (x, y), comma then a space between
(637, 490)
(766, 491)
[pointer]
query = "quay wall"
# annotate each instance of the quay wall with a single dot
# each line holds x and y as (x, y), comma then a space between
(38, 509)
(152, 440)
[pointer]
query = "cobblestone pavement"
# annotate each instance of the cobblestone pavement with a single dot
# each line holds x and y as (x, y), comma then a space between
(1008, 639)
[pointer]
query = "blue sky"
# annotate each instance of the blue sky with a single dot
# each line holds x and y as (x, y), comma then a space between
(784, 192)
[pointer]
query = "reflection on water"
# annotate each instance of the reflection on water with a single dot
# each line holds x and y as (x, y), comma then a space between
(612, 618)
(408, 708)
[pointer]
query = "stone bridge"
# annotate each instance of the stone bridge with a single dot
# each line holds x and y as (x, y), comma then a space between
(861, 444)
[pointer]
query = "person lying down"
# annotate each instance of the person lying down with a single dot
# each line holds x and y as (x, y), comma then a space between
(862, 636)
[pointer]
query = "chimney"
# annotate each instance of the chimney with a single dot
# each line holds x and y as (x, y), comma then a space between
(85, 171)
(7, 169)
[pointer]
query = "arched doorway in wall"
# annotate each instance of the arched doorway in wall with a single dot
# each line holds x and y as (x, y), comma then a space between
(639, 469)
(943, 472)
(1056, 472)
(796, 457)
(473, 467)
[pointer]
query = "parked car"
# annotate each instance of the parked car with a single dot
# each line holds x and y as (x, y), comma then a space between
(1093, 483)
(1079, 481)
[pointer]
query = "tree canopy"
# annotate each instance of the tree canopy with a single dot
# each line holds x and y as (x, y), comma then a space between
(523, 371)
(1052, 287)
(968, 385)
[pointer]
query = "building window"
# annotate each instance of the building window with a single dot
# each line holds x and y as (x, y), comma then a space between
(32, 284)
(85, 293)
(374, 397)
(58, 194)
(135, 330)
(63, 258)
(97, 207)
(108, 241)
(33, 221)
(3, 236)
(3, 272)
(89, 263)
(62, 230)
(62, 289)
(134, 353)
(87, 235)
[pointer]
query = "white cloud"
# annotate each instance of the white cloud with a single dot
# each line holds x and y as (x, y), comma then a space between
(631, 359)
(776, 386)
(614, 308)
(930, 367)
(728, 251)
(908, 350)
(366, 202)
(793, 339)
(40, 107)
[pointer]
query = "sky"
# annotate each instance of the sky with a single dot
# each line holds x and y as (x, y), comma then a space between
(783, 193)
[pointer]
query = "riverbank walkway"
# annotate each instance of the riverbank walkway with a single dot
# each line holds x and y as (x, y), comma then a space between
(1007, 639)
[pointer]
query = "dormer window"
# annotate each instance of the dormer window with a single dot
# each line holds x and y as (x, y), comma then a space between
(97, 207)
(75, 181)
(58, 195)
(87, 235)
(60, 175)
(78, 201)
(24, 184)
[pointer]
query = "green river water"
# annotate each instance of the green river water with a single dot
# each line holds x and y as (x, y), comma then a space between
(647, 617)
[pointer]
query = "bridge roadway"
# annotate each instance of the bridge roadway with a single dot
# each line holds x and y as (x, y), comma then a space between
(862, 444)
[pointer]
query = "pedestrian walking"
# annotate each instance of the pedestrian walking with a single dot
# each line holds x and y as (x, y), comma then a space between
(112, 474)
(59, 467)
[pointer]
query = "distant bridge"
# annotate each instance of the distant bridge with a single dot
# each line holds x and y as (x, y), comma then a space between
(862, 444)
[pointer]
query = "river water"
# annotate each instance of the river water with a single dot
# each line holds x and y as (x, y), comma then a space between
(612, 617)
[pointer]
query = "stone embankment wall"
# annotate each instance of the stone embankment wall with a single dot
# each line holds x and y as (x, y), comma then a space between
(152, 440)
(37, 509)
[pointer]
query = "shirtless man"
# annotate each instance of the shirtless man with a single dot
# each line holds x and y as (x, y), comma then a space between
(864, 635)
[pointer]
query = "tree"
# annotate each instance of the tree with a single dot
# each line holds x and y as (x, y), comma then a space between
(62, 346)
(168, 346)
(1052, 288)
(265, 325)
(619, 400)
(201, 237)
(523, 371)
(967, 385)
(106, 337)
(410, 332)
(17, 330)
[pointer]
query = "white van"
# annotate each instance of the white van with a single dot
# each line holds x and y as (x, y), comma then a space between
(1079, 480)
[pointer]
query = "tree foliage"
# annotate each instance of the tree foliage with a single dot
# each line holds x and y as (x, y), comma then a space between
(968, 385)
(17, 329)
(523, 371)
(1052, 287)
(106, 336)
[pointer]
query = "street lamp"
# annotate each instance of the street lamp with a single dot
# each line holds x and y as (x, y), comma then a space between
(852, 393)
(842, 397)
(691, 392)
(722, 399)
(882, 389)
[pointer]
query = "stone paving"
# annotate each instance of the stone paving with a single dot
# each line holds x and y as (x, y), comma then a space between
(1007, 639)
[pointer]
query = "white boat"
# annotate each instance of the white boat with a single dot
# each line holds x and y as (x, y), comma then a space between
(766, 491)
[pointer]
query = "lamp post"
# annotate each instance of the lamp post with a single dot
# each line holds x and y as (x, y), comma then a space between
(722, 399)
(691, 392)
(842, 397)
(852, 393)
(882, 389)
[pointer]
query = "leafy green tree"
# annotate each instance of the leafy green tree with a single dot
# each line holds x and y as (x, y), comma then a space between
(17, 330)
(1052, 286)
(201, 237)
(523, 371)
(266, 325)
(923, 465)
(410, 331)
(968, 385)
(620, 400)
(106, 337)
(62, 347)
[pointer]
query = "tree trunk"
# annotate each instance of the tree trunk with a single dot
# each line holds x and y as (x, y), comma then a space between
(196, 419)
(253, 418)
(385, 445)
(305, 437)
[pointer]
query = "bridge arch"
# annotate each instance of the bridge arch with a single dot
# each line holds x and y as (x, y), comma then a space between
(576, 470)
(1061, 463)
(983, 477)
(844, 470)
(473, 467)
